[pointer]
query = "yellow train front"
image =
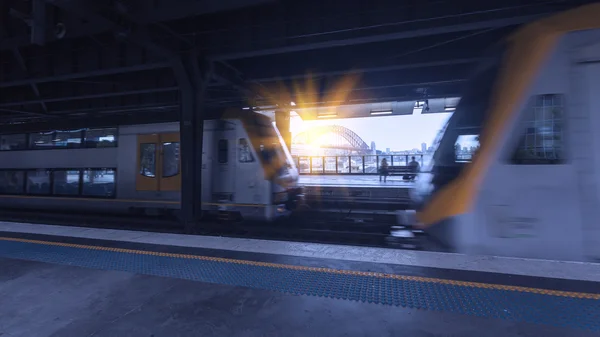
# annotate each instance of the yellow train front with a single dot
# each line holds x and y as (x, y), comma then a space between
(247, 171)
(531, 112)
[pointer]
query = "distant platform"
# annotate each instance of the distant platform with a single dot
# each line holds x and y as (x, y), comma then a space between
(353, 181)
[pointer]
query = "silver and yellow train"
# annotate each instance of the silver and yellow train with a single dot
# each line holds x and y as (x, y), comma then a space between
(533, 110)
(247, 170)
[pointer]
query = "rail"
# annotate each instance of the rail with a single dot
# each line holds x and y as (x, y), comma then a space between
(348, 165)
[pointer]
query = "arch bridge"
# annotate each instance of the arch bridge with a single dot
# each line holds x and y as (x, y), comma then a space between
(343, 139)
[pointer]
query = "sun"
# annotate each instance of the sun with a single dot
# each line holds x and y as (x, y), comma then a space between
(314, 149)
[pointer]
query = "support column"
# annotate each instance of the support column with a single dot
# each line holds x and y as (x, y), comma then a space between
(192, 77)
(282, 120)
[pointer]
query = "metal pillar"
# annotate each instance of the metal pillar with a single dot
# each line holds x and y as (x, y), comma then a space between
(192, 77)
(282, 120)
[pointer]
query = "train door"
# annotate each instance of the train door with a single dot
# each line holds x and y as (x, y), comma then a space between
(586, 159)
(248, 171)
(224, 169)
(158, 162)
(224, 162)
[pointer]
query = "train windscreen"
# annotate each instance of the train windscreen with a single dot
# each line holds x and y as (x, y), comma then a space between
(460, 137)
(268, 143)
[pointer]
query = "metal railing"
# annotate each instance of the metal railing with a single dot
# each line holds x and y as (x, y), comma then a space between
(359, 165)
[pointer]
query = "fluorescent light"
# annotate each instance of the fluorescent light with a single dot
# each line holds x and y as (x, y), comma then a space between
(327, 116)
(381, 112)
(246, 108)
(449, 109)
(293, 103)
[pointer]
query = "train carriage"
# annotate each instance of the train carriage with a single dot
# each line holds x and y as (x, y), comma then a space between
(532, 188)
(247, 170)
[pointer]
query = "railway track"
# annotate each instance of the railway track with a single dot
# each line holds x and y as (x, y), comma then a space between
(331, 228)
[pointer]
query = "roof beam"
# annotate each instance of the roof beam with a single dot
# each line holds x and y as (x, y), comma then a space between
(167, 10)
(87, 121)
(136, 33)
(227, 74)
(367, 70)
(22, 112)
(119, 21)
(92, 73)
(34, 87)
(103, 95)
(498, 23)
(120, 108)
(320, 98)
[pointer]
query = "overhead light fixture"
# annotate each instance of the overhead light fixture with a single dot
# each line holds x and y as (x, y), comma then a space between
(449, 109)
(293, 103)
(327, 116)
(381, 112)
(246, 108)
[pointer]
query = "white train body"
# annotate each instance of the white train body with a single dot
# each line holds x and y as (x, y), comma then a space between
(136, 168)
(255, 182)
(532, 188)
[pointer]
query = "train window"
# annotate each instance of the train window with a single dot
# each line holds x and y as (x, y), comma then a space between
(13, 142)
(245, 155)
(223, 151)
(465, 147)
(11, 182)
(38, 182)
(70, 139)
(55, 139)
(170, 163)
(42, 140)
(99, 182)
(66, 182)
(542, 140)
(148, 160)
(106, 137)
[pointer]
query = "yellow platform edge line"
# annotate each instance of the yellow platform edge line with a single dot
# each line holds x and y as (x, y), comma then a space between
(318, 269)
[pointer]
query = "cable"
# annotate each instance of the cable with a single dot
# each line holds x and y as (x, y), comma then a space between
(389, 24)
(399, 23)
(442, 43)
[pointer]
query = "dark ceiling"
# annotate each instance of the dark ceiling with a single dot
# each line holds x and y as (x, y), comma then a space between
(74, 59)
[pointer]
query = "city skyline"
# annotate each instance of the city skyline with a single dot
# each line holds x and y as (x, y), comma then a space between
(398, 133)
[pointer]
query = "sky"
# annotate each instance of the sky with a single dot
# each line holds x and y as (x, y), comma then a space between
(394, 132)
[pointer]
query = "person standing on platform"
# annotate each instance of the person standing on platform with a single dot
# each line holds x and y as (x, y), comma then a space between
(383, 170)
(414, 168)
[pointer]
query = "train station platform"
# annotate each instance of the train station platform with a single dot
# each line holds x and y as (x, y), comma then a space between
(350, 191)
(353, 181)
(70, 281)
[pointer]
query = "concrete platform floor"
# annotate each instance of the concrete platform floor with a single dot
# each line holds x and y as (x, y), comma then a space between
(42, 300)
(354, 181)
